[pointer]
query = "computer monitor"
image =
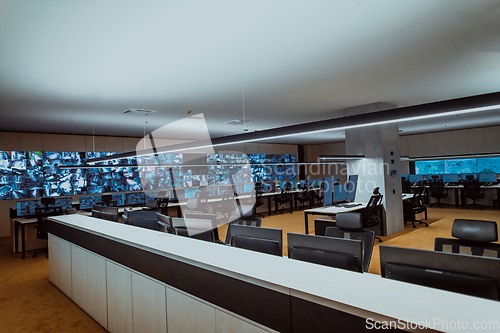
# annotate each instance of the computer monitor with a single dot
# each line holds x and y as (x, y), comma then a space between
(433, 178)
(468, 177)
(327, 192)
(87, 201)
(450, 178)
(248, 188)
(294, 184)
(351, 187)
(404, 177)
(190, 193)
(339, 193)
(119, 198)
(27, 208)
(466, 274)
(137, 198)
(64, 203)
(303, 183)
(415, 178)
(488, 177)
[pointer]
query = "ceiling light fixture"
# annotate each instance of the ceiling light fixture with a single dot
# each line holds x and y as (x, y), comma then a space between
(458, 106)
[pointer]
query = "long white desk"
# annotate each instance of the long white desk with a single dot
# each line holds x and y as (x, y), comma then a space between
(330, 211)
(125, 277)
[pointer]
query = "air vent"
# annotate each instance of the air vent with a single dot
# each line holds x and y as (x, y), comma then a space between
(138, 112)
(239, 122)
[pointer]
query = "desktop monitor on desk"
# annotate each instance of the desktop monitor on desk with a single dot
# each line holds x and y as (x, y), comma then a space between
(138, 198)
(304, 183)
(27, 208)
(415, 178)
(404, 177)
(327, 191)
(87, 201)
(487, 177)
(190, 193)
(451, 178)
(339, 193)
(351, 187)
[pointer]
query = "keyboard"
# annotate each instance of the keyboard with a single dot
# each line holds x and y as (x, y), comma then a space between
(351, 205)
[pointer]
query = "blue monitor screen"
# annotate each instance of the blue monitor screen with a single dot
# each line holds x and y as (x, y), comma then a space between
(247, 188)
(429, 167)
(303, 183)
(190, 193)
(488, 165)
(27, 208)
(430, 178)
(327, 195)
(87, 201)
(65, 203)
(463, 165)
(119, 198)
(294, 183)
(135, 198)
(450, 178)
(339, 193)
(488, 177)
(467, 176)
(415, 178)
(404, 177)
(351, 187)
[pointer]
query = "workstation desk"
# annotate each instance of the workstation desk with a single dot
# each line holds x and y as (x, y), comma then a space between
(133, 278)
(459, 192)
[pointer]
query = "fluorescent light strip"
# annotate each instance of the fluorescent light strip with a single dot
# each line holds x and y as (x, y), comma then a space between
(392, 121)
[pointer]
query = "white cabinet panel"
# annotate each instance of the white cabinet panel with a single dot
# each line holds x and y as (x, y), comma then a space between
(119, 284)
(229, 324)
(89, 283)
(54, 260)
(149, 306)
(185, 314)
(65, 267)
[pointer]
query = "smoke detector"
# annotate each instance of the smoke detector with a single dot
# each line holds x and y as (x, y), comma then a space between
(239, 122)
(138, 112)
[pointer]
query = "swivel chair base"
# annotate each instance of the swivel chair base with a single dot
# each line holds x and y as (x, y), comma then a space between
(439, 203)
(474, 204)
(41, 251)
(413, 223)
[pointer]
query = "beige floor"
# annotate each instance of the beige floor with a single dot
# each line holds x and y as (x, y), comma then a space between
(30, 303)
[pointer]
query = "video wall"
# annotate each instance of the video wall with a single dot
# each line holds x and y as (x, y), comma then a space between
(34, 174)
(458, 166)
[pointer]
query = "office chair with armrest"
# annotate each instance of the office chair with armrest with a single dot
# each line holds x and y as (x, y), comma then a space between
(329, 251)
(152, 204)
(264, 240)
(473, 237)
(371, 213)
(350, 226)
(472, 190)
(42, 214)
(259, 201)
(304, 196)
(227, 205)
(437, 191)
(165, 223)
(285, 197)
(414, 206)
(143, 218)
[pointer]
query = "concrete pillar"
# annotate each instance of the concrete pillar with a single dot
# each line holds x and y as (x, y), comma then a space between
(381, 167)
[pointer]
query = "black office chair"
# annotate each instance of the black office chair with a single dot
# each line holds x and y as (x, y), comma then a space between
(107, 200)
(165, 223)
(328, 251)
(371, 213)
(472, 190)
(406, 186)
(304, 196)
(437, 191)
(152, 204)
(227, 205)
(474, 237)
(285, 197)
(109, 213)
(244, 220)
(350, 226)
(259, 200)
(201, 229)
(415, 205)
(42, 214)
(143, 218)
(264, 240)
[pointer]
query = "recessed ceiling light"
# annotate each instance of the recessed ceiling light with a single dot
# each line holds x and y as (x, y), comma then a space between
(239, 122)
(138, 112)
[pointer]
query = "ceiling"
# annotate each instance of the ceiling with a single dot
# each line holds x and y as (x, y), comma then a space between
(74, 67)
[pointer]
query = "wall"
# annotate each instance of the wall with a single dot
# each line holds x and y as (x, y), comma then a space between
(61, 142)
